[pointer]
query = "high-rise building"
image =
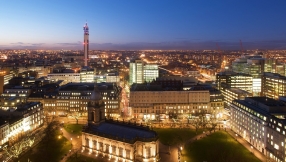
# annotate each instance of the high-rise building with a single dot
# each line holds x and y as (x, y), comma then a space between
(151, 72)
(136, 72)
(139, 72)
(86, 43)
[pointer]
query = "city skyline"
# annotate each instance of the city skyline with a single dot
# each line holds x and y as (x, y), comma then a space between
(140, 25)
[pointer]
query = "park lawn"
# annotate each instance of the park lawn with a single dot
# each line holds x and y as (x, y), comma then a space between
(219, 146)
(175, 136)
(81, 158)
(56, 149)
(73, 128)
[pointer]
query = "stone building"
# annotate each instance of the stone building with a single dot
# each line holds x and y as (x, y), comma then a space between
(116, 140)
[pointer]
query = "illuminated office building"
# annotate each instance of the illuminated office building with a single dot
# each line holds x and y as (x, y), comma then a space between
(151, 72)
(261, 122)
(230, 79)
(139, 72)
(136, 72)
(273, 85)
(231, 94)
(87, 75)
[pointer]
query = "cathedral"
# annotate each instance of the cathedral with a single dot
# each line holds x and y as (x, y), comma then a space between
(118, 141)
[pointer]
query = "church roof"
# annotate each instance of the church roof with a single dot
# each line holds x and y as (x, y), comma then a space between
(121, 131)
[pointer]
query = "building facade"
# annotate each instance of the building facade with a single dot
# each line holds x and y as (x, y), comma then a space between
(73, 98)
(151, 72)
(273, 85)
(155, 104)
(136, 72)
(66, 77)
(261, 122)
(234, 80)
(27, 117)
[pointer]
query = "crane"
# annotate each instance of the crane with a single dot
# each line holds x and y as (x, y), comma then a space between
(241, 47)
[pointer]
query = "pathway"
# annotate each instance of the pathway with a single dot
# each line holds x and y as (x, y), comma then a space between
(75, 140)
(247, 145)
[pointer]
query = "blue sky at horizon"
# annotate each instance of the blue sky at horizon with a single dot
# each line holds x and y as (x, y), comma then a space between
(143, 24)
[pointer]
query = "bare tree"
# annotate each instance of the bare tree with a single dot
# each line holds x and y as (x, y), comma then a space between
(76, 116)
(17, 148)
(212, 123)
(48, 114)
(196, 123)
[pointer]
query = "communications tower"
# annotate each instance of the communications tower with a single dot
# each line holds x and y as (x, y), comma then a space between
(86, 43)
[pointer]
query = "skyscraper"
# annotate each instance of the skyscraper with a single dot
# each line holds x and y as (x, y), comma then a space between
(86, 43)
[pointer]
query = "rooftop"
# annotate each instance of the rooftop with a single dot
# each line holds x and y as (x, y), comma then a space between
(127, 131)
(268, 101)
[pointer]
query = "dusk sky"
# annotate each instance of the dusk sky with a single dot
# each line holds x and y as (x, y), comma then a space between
(143, 24)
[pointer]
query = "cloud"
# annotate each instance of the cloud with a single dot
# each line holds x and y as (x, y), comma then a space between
(68, 44)
(37, 44)
(17, 43)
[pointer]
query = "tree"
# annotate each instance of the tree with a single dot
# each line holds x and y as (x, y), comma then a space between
(76, 116)
(212, 123)
(196, 123)
(17, 148)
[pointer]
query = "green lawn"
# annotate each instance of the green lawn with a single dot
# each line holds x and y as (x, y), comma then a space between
(73, 128)
(174, 136)
(219, 146)
(81, 158)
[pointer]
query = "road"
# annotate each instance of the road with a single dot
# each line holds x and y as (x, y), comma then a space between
(125, 101)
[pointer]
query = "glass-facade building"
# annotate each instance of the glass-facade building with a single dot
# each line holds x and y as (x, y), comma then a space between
(136, 72)
(140, 72)
(151, 72)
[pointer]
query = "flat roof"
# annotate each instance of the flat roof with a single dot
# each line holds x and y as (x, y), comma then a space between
(267, 101)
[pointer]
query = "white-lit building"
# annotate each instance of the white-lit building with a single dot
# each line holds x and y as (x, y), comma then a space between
(27, 117)
(151, 72)
(66, 77)
(136, 72)
(87, 75)
(261, 122)
(4, 131)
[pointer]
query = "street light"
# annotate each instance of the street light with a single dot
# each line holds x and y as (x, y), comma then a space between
(251, 149)
(236, 136)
